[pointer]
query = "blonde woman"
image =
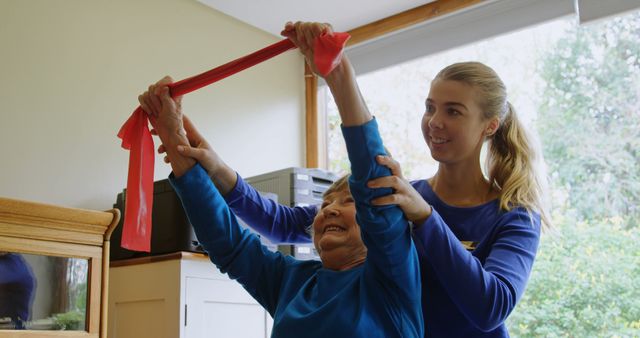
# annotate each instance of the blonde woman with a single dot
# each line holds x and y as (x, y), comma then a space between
(476, 236)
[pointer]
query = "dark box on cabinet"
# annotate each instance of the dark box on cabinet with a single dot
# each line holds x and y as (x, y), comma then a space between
(171, 231)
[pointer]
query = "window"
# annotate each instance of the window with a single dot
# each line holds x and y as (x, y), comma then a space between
(578, 88)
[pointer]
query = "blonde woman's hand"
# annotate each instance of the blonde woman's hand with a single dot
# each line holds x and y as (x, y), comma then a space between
(223, 176)
(198, 149)
(415, 208)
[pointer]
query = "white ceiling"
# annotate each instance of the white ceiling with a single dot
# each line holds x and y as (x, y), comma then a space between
(343, 15)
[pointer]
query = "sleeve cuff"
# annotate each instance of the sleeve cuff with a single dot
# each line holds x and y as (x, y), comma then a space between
(238, 191)
(427, 229)
(194, 175)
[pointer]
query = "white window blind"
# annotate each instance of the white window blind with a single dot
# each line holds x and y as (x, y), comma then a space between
(478, 22)
(592, 10)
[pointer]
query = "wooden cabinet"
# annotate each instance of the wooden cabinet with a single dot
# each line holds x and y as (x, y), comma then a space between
(180, 295)
(56, 232)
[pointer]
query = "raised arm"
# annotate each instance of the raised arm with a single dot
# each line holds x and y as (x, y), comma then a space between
(385, 231)
(276, 222)
(341, 81)
(234, 250)
(392, 258)
(231, 248)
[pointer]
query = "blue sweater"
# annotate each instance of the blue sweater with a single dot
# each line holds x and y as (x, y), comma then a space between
(475, 262)
(380, 298)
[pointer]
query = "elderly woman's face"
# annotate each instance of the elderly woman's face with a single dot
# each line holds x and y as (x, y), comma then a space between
(336, 235)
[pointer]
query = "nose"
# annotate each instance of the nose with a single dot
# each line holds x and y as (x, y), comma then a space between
(435, 121)
(330, 210)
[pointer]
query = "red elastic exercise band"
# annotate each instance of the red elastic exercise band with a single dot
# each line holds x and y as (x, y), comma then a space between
(135, 135)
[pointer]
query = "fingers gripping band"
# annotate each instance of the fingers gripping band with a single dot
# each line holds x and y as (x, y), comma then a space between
(136, 137)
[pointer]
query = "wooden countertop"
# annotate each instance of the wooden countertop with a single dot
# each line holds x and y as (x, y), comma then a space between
(159, 258)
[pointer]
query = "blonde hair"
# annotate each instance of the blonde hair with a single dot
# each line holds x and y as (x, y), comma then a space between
(514, 160)
(339, 185)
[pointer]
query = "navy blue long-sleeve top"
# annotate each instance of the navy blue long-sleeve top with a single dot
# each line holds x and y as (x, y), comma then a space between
(379, 298)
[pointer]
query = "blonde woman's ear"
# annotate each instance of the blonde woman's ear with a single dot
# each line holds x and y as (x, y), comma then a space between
(492, 127)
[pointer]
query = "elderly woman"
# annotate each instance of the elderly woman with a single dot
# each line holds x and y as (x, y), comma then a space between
(367, 283)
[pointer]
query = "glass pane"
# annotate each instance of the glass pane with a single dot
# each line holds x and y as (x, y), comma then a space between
(42, 292)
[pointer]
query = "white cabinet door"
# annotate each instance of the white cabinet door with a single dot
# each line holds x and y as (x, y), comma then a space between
(222, 309)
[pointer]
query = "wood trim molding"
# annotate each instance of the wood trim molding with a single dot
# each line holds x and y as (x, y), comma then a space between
(361, 34)
(104, 295)
(311, 116)
(407, 18)
(160, 258)
(53, 223)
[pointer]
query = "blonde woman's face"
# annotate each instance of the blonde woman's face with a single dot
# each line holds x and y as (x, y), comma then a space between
(453, 125)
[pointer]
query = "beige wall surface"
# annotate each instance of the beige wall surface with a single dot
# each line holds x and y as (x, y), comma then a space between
(71, 71)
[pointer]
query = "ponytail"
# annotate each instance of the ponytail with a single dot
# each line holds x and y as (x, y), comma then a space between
(514, 165)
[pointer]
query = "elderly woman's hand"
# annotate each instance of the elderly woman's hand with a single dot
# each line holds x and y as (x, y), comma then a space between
(415, 208)
(303, 35)
(165, 113)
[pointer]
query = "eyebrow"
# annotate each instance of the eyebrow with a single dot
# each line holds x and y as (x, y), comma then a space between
(450, 103)
(331, 197)
(325, 200)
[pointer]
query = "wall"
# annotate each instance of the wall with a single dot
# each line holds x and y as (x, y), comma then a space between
(72, 70)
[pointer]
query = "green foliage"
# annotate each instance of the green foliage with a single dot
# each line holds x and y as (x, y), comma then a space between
(586, 280)
(72, 320)
(584, 283)
(81, 298)
(590, 115)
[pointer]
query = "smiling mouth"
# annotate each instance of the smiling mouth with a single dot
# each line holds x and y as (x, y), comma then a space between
(437, 140)
(333, 228)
